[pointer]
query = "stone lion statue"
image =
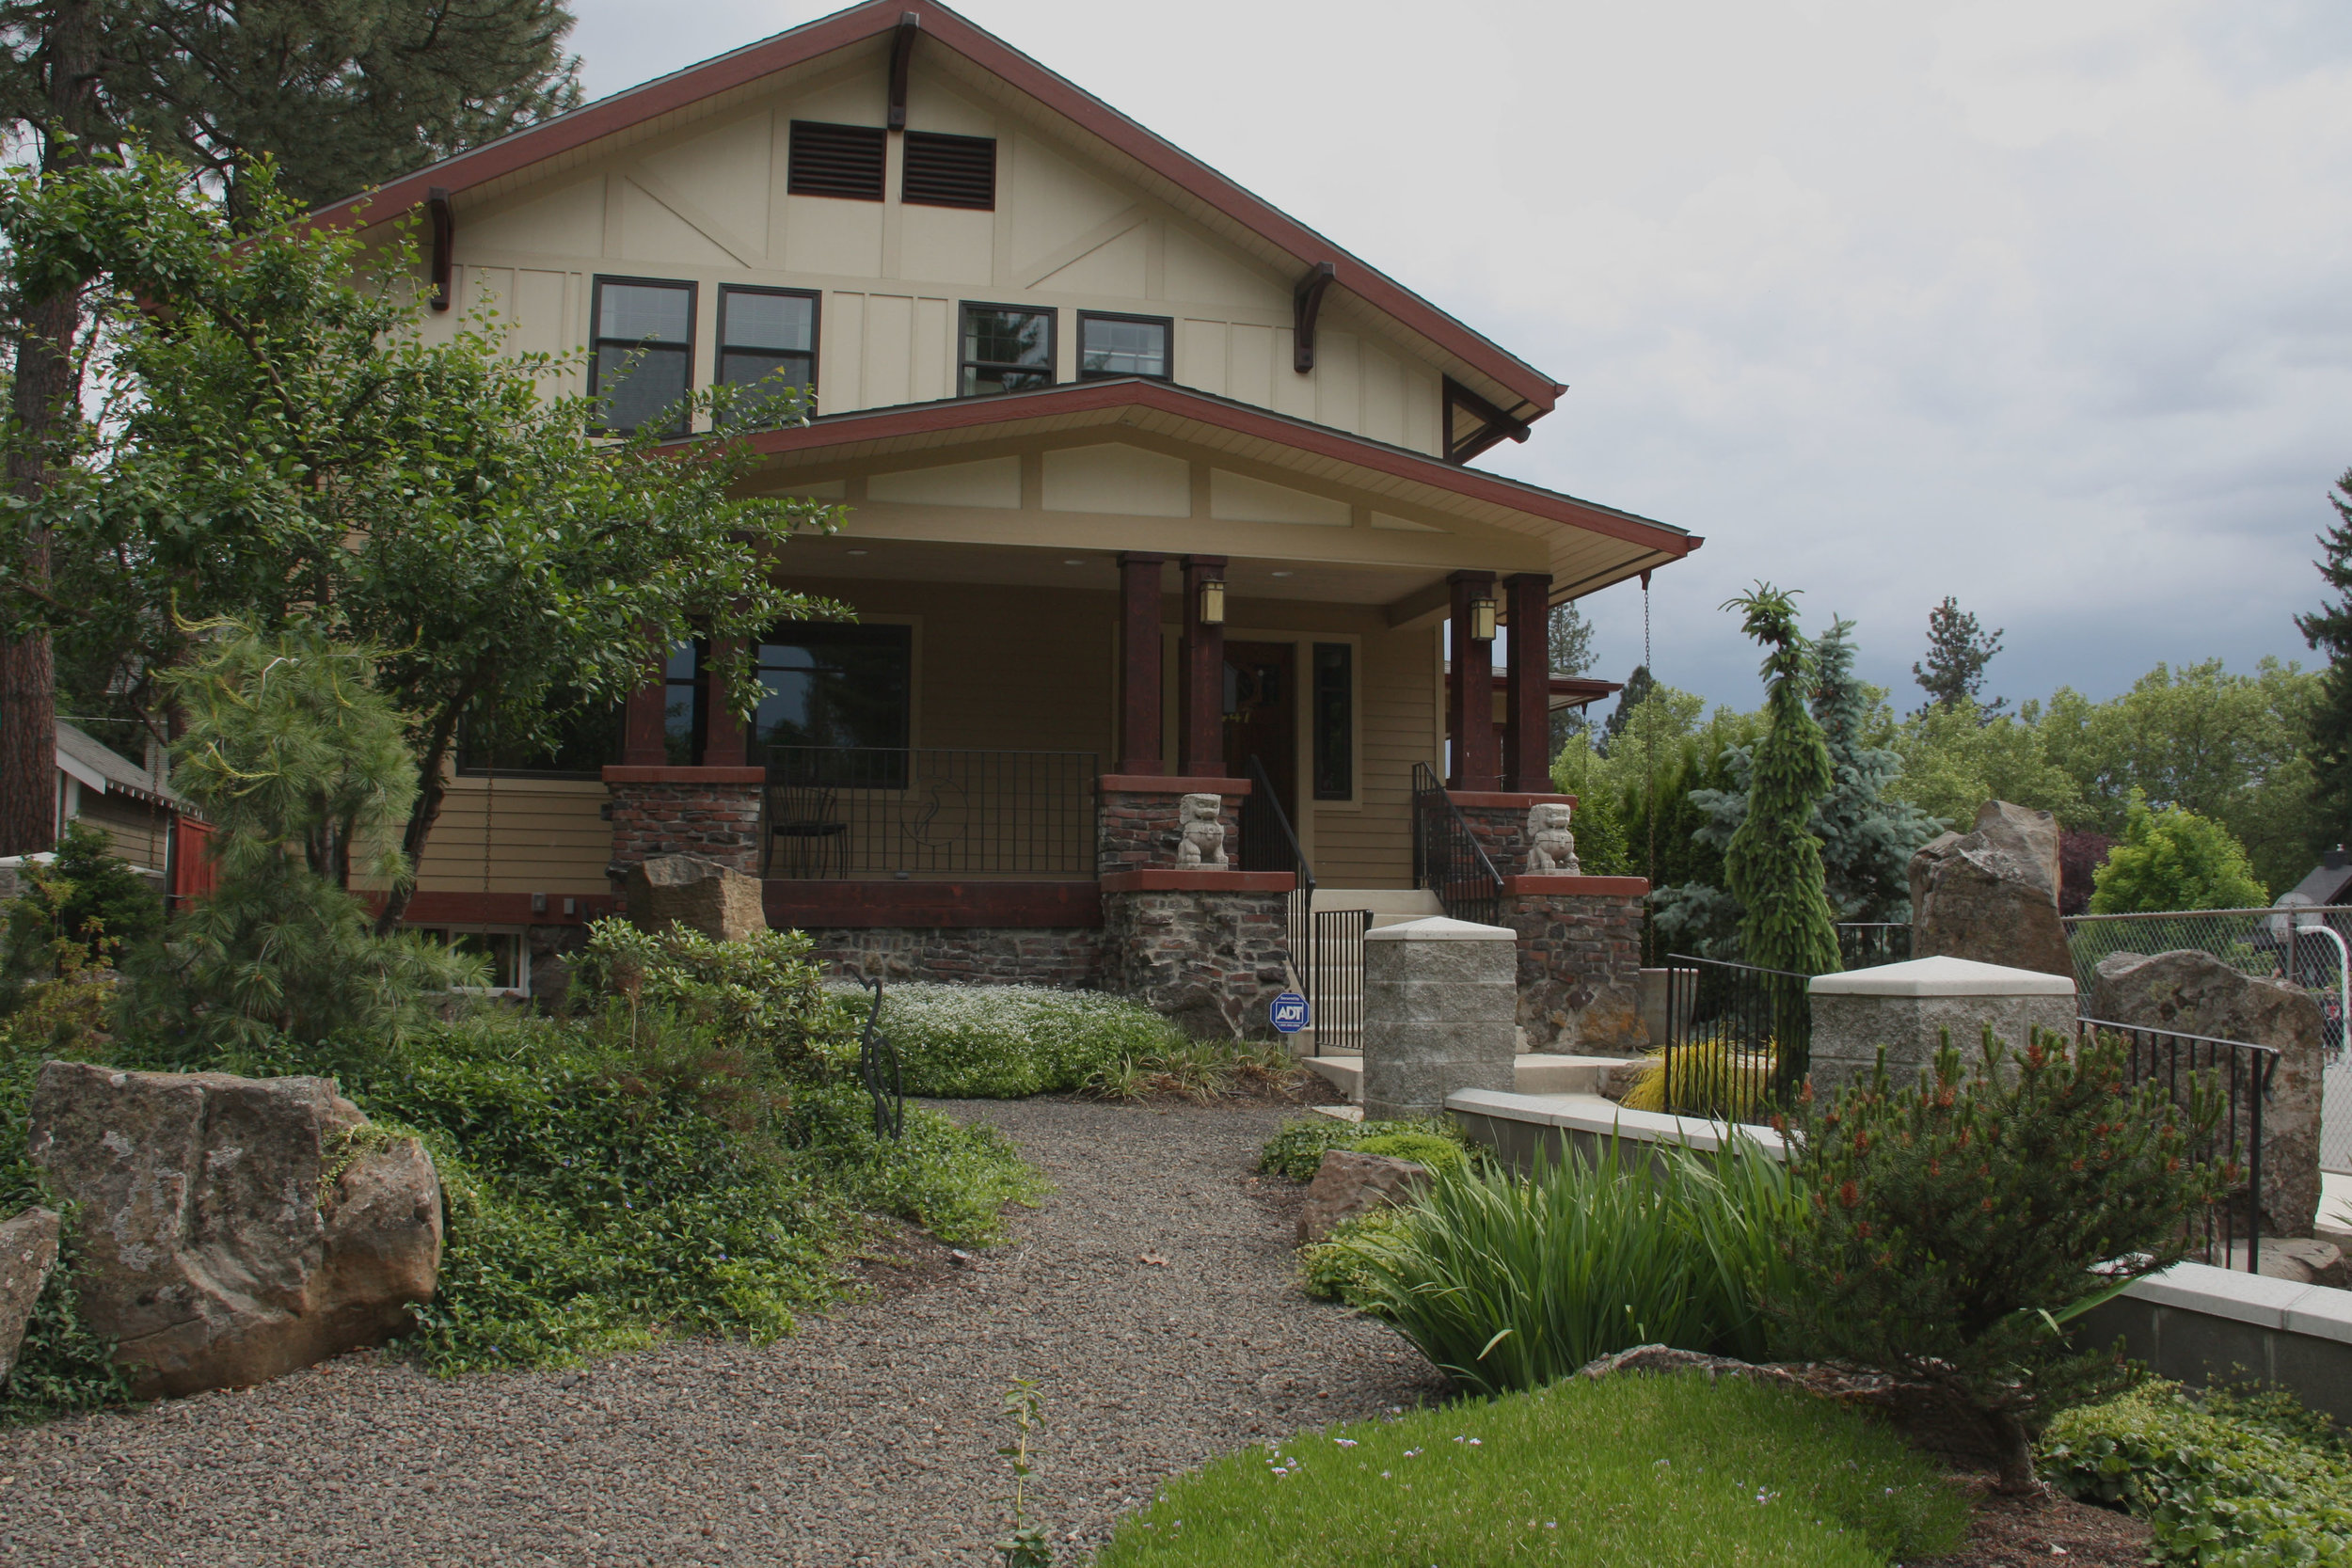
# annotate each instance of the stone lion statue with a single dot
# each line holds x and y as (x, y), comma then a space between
(1203, 833)
(1550, 848)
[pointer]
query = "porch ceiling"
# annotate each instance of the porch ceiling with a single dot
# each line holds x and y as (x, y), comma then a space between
(1439, 516)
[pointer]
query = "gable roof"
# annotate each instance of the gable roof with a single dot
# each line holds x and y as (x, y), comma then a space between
(941, 28)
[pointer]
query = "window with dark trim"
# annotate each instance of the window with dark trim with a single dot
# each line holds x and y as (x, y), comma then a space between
(837, 703)
(1333, 696)
(642, 360)
(948, 171)
(1004, 348)
(836, 160)
(766, 340)
(1110, 345)
(682, 705)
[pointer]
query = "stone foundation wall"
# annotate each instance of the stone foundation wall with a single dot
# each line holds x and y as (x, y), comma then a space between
(1580, 962)
(1138, 828)
(1209, 960)
(1067, 957)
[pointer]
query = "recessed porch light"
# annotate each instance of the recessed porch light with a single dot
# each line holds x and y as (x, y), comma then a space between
(1073, 563)
(857, 553)
(1283, 574)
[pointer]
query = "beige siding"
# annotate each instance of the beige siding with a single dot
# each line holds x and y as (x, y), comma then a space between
(544, 836)
(1396, 716)
(134, 833)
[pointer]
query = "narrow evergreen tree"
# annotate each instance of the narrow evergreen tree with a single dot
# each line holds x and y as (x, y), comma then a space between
(1636, 693)
(2330, 631)
(1774, 863)
(1570, 642)
(1958, 651)
(1867, 837)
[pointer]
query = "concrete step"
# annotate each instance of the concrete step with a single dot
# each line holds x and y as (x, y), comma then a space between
(1535, 1072)
(1390, 906)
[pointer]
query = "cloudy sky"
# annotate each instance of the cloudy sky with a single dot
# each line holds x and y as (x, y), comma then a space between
(2043, 304)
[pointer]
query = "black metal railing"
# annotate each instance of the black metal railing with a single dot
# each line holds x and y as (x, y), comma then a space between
(2230, 1230)
(878, 1069)
(1448, 860)
(837, 812)
(1332, 971)
(1267, 844)
(1870, 944)
(1739, 1038)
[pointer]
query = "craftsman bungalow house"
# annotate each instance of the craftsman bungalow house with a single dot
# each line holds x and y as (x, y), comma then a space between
(1145, 482)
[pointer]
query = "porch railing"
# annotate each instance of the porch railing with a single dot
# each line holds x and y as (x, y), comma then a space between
(2231, 1232)
(1448, 860)
(837, 812)
(1739, 1039)
(1267, 844)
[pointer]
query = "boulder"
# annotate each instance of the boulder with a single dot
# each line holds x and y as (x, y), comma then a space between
(1347, 1185)
(28, 1250)
(1992, 894)
(702, 896)
(232, 1229)
(2305, 1261)
(2195, 993)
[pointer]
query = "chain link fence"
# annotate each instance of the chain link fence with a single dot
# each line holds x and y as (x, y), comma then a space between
(2304, 945)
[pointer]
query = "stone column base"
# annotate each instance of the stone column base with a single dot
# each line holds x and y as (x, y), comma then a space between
(1908, 1008)
(1580, 962)
(1205, 949)
(712, 813)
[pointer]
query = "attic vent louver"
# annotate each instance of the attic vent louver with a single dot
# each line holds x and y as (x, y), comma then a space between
(950, 171)
(836, 160)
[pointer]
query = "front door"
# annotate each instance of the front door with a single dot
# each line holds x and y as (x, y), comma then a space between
(1262, 716)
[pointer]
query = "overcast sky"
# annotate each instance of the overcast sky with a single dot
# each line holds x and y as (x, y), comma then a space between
(2045, 304)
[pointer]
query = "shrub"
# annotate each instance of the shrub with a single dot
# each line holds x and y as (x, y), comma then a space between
(1003, 1042)
(1956, 1223)
(1195, 1070)
(2227, 1480)
(2173, 859)
(86, 904)
(1708, 1078)
(761, 991)
(1297, 1151)
(1432, 1151)
(1675, 1471)
(1507, 1282)
(1333, 1269)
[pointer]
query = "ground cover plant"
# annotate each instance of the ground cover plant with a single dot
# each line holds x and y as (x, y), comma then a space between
(1508, 1282)
(1006, 1042)
(1297, 1151)
(2225, 1479)
(1721, 1474)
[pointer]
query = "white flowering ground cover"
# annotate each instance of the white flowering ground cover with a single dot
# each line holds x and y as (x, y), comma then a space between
(1004, 1042)
(1650, 1469)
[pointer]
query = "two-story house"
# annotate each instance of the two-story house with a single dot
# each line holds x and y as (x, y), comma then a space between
(1150, 490)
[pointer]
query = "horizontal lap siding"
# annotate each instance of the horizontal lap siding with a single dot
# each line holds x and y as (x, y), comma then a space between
(1397, 706)
(545, 837)
(134, 833)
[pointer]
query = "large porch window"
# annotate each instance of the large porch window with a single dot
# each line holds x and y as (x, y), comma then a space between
(834, 686)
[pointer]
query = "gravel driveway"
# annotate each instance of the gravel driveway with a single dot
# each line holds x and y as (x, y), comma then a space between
(870, 1437)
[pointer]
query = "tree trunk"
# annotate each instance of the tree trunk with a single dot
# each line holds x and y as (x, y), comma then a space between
(431, 791)
(2014, 1450)
(43, 403)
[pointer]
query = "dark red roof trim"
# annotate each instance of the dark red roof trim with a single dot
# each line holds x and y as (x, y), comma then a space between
(944, 26)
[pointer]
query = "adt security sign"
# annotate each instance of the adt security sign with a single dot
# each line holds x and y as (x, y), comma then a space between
(1290, 1012)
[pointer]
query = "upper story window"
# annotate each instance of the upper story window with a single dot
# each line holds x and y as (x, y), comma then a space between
(836, 160)
(1004, 348)
(642, 361)
(767, 339)
(1122, 345)
(949, 171)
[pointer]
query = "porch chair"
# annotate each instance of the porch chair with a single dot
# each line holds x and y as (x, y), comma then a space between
(803, 833)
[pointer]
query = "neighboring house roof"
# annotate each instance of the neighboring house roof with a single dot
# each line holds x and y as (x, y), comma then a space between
(1173, 174)
(1635, 543)
(98, 766)
(2325, 883)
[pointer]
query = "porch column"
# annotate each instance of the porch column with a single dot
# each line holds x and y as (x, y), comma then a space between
(1470, 691)
(642, 741)
(1527, 728)
(723, 737)
(1139, 664)
(1200, 683)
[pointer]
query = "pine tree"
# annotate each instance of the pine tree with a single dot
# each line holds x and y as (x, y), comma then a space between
(1570, 639)
(1958, 651)
(1867, 837)
(1774, 863)
(2329, 744)
(1636, 693)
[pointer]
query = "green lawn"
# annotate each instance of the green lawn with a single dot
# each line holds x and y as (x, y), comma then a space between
(1627, 1471)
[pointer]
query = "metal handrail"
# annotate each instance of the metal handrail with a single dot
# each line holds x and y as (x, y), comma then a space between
(1465, 861)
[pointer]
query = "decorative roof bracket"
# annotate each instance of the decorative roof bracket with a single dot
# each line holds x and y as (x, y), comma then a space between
(444, 220)
(1305, 300)
(901, 53)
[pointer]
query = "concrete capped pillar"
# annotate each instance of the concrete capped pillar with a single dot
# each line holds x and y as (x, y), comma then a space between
(1906, 1007)
(1441, 1013)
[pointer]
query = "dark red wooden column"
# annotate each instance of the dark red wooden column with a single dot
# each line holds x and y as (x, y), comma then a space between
(641, 743)
(1469, 703)
(1527, 723)
(724, 744)
(1139, 664)
(1200, 683)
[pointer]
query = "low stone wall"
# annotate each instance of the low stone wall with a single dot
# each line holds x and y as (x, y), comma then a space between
(1206, 950)
(1526, 1129)
(714, 812)
(1067, 957)
(1579, 973)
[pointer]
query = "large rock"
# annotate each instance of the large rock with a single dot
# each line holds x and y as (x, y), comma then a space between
(702, 896)
(2195, 993)
(1992, 894)
(28, 1250)
(1348, 1184)
(232, 1229)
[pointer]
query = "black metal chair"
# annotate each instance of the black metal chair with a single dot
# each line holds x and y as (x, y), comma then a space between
(804, 835)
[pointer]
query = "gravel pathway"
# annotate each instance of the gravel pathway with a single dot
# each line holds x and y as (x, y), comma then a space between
(1150, 1297)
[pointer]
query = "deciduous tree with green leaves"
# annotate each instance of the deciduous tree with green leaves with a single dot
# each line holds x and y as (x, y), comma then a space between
(2172, 858)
